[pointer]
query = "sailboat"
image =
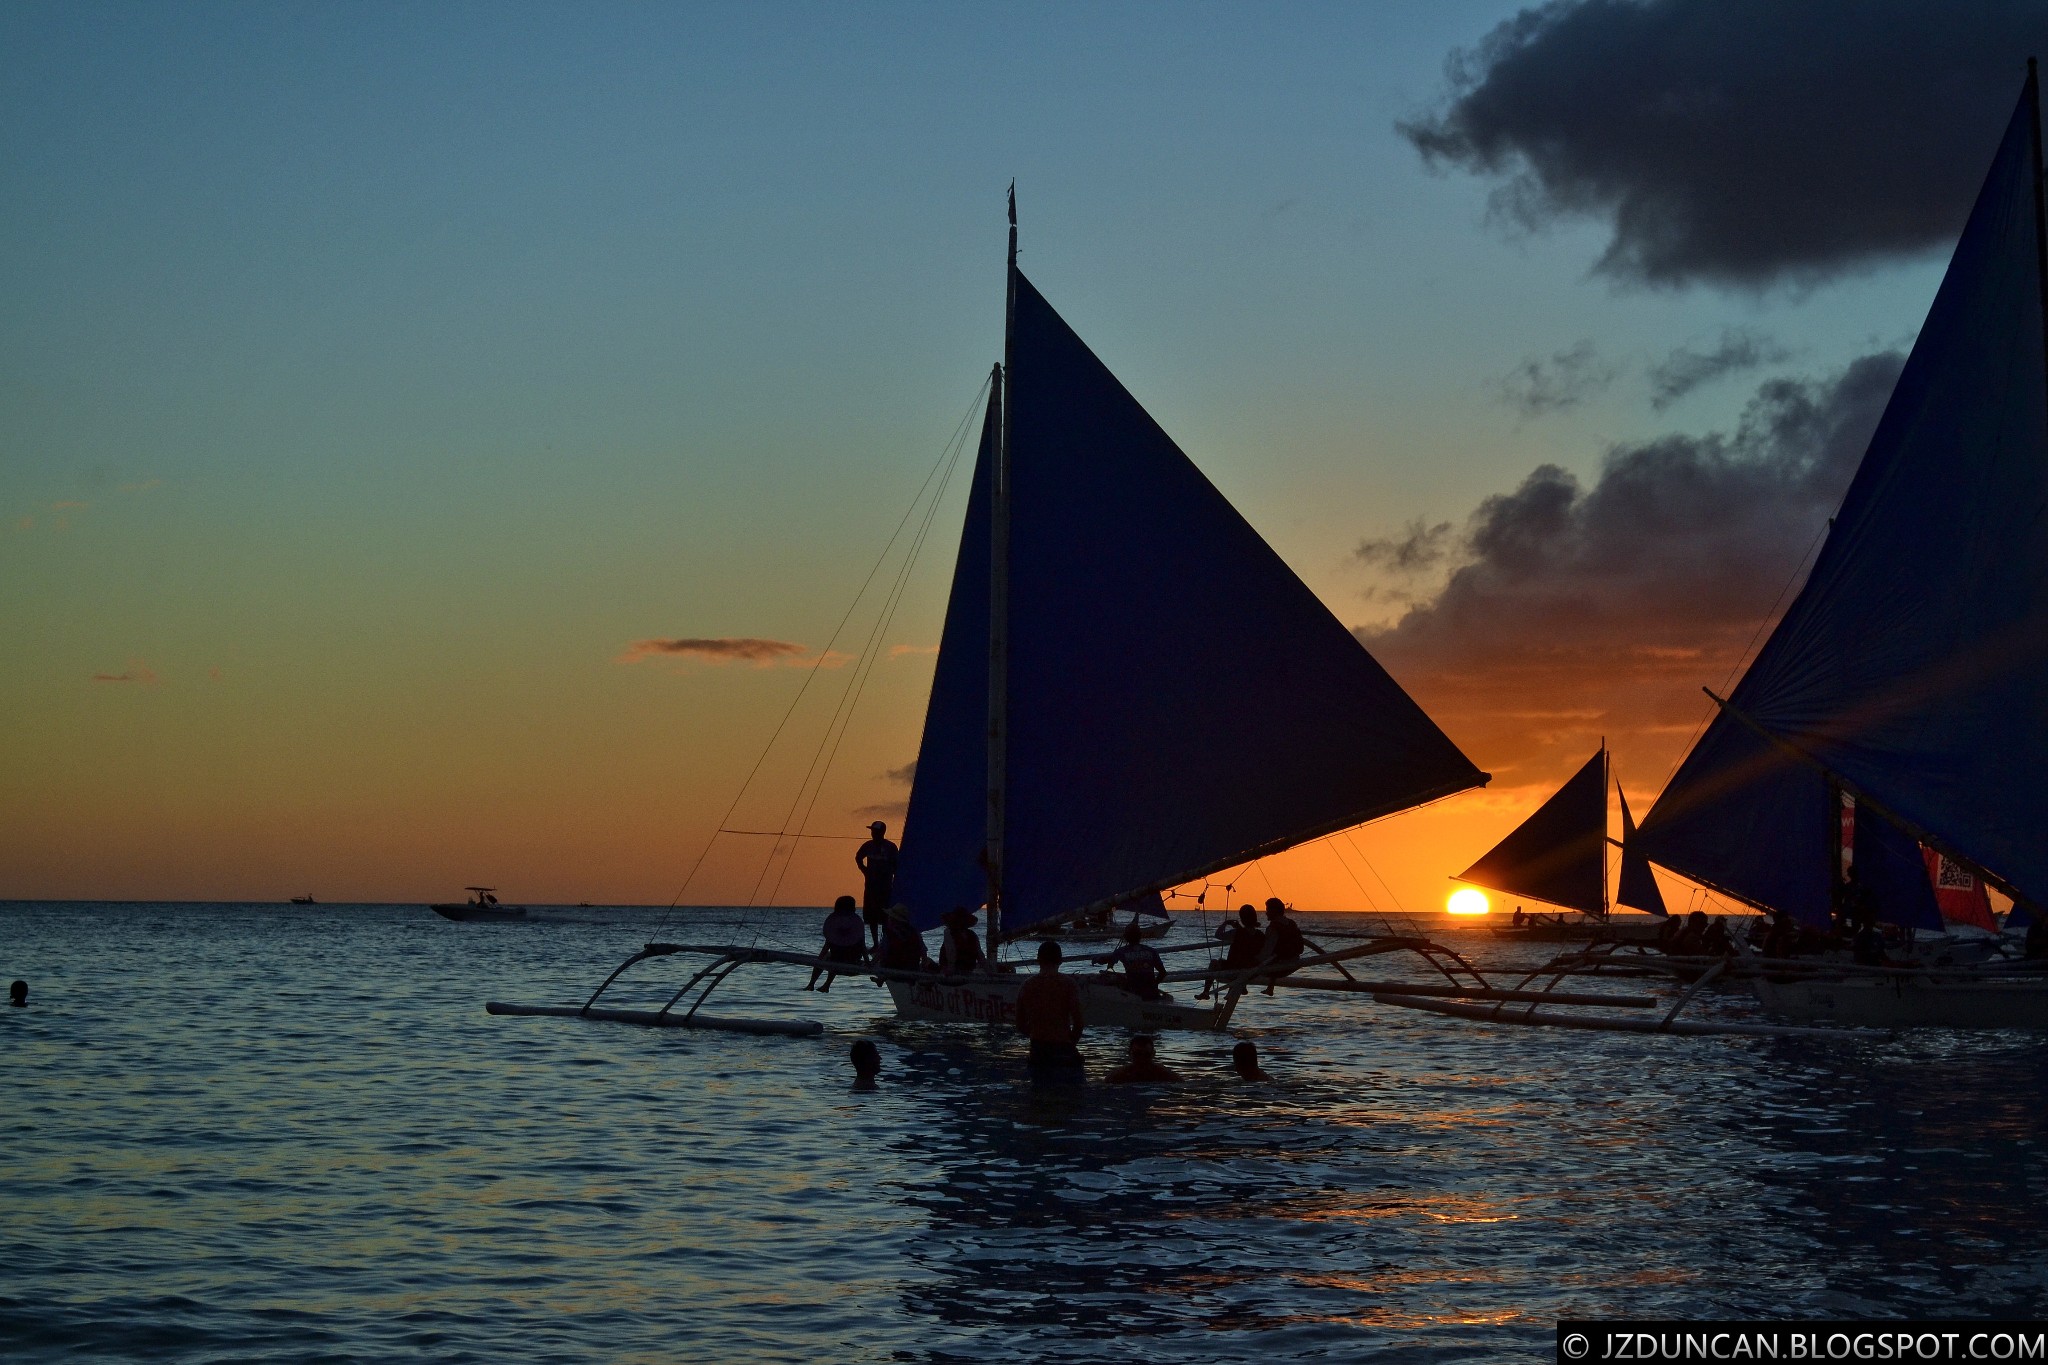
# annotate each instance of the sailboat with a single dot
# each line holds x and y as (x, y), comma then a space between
(1073, 757)
(1559, 856)
(1909, 674)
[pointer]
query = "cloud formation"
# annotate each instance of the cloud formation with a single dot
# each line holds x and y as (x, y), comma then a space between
(904, 775)
(140, 674)
(1570, 612)
(1739, 143)
(903, 651)
(732, 649)
(1687, 368)
(1559, 382)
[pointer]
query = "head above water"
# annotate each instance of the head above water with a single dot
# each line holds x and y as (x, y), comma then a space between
(1244, 1059)
(17, 994)
(867, 1059)
(1144, 1048)
(1049, 955)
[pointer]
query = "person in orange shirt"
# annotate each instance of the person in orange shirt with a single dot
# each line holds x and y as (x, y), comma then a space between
(1049, 1014)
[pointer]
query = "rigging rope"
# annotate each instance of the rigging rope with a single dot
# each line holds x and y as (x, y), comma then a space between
(948, 456)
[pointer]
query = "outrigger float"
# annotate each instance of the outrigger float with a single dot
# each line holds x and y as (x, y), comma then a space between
(990, 998)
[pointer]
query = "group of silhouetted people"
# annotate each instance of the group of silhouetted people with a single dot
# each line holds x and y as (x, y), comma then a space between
(1269, 953)
(879, 932)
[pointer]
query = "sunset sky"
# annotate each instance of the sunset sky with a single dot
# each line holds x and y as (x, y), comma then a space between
(379, 381)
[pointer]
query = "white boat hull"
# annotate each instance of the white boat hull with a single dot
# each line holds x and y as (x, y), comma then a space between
(992, 1000)
(1910, 1002)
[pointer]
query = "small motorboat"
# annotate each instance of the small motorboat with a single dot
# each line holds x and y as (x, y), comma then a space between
(304, 900)
(483, 904)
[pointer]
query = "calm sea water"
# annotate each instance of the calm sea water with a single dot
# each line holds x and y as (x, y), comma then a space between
(276, 1134)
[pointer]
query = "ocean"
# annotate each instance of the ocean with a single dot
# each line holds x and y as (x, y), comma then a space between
(272, 1133)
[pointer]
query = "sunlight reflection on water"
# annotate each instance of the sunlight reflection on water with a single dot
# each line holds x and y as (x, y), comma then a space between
(276, 1134)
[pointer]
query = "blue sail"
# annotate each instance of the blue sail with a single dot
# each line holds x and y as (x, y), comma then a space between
(1889, 865)
(1179, 701)
(948, 817)
(1913, 663)
(1558, 854)
(1637, 885)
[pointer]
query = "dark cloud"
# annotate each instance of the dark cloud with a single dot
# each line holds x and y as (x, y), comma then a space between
(140, 674)
(1739, 142)
(1557, 382)
(1685, 369)
(729, 649)
(884, 810)
(1574, 612)
(1419, 548)
(904, 775)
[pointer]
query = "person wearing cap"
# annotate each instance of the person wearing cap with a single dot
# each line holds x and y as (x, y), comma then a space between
(846, 940)
(1284, 945)
(1141, 963)
(1049, 1014)
(960, 951)
(1144, 1067)
(902, 945)
(876, 860)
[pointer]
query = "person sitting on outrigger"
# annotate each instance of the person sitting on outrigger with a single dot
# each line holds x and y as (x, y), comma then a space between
(960, 951)
(1783, 939)
(1141, 963)
(846, 940)
(1715, 941)
(1246, 945)
(1284, 944)
(902, 945)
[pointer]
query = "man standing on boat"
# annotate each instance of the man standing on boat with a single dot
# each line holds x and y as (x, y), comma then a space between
(876, 860)
(1049, 1014)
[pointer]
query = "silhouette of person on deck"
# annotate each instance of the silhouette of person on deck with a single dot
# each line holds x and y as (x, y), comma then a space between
(1141, 963)
(960, 951)
(846, 940)
(876, 860)
(1284, 945)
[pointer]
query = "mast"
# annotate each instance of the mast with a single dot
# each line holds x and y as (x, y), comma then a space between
(1606, 780)
(999, 608)
(2040, 204)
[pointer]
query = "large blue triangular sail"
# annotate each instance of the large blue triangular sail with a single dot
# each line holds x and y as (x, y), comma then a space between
(1179, 701)
(1558, 854)
(1913, 664)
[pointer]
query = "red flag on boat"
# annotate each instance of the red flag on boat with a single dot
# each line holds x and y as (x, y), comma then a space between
(1959, 892)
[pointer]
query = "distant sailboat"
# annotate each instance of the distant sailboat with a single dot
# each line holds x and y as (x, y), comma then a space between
(1559, 856)
(1910, 672)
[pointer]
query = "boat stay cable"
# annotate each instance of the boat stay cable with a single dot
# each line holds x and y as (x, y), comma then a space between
(948, 456)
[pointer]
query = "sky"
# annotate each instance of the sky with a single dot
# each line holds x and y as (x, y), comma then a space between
(376, 381)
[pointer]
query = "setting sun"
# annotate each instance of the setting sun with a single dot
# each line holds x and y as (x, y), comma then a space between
(1466, 901)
